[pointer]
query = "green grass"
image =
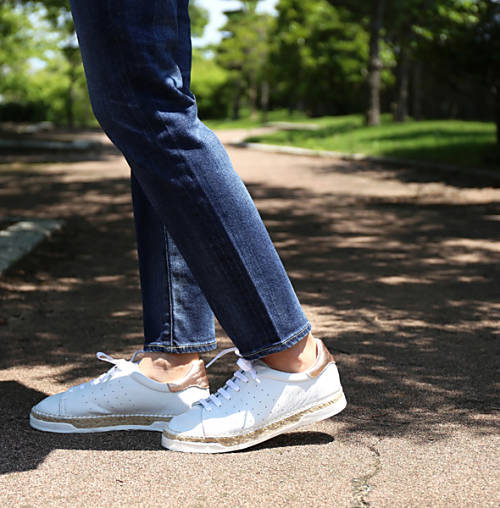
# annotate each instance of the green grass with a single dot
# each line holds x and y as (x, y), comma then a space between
(455, 142)
(245, 122)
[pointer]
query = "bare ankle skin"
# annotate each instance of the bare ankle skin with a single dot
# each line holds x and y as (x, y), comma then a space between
(298, 358)
(167, 367)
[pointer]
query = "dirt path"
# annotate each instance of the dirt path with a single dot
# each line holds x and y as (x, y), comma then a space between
(397, 269)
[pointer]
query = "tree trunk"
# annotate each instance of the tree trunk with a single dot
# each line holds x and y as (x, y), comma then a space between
(252, 92)
(417, 90)
(71, 54)
(497, 113)
(236, 100)
(375, 63)
(264, 100)
(403, 79)
(70, 117)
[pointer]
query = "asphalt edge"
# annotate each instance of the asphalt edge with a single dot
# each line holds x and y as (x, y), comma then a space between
(21, 238)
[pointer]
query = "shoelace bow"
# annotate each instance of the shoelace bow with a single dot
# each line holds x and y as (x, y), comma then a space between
(118, 366)
(246, 368)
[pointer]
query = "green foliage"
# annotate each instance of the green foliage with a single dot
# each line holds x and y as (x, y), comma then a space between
(41, 72)
(18, 45)
(243, 52)
(319, 57)
(467, 38)
(60, 86)
(42, 65)
(312, 57)
(199, 19)
(209, 83)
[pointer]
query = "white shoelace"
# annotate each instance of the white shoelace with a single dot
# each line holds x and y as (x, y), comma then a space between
(119, 365)
(246, 368)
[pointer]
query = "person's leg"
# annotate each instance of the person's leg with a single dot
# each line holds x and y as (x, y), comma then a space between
(177, 317)
(178, 322)
(146, 108)
(142, 99)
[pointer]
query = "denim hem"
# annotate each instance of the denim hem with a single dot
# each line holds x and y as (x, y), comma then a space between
(281, 345)
(188, 348)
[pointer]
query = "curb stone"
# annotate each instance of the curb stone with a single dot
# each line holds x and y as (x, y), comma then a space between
(294, 150)
(22, 237)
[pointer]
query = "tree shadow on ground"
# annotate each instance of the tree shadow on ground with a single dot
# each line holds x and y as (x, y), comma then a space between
(406, 295)
(454, 177)
(410, 296)
(23, 155)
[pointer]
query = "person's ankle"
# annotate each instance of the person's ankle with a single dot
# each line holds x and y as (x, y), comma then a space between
(298, 358)
(166, 367)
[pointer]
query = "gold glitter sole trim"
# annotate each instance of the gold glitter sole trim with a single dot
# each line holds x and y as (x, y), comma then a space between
(103, 421)
(250, 436)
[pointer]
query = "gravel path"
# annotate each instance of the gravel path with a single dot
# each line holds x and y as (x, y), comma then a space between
(398, 271)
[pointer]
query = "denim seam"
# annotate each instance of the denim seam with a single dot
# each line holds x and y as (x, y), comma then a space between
(202, 346)
(308, 326)
(169, 279)
(158, 344)
(164, 286)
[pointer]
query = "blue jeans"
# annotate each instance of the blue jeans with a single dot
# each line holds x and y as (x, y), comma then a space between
(203, 248)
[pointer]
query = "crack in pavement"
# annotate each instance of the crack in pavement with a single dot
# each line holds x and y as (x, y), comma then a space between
(361, 485)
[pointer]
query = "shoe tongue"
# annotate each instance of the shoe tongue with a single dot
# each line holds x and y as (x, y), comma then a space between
(135, 356)
(125, 367)
(260, 363)
(262, 367)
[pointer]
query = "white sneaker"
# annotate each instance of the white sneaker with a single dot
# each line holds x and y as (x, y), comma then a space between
(121, 399)
(256, 404)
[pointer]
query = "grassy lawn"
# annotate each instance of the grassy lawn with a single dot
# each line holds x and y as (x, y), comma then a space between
(454, 142)
(279, 115)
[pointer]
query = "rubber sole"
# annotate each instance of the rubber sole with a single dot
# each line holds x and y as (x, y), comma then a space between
(98, 424)
(220, 445)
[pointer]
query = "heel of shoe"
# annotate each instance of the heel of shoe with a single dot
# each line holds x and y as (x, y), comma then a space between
(325, 410)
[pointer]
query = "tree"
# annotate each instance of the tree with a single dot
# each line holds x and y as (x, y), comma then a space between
(371, 14)
(318, 58)
(464, 45)
(209, 84)
(17, 47)
(41, 67)
(375, 65)
(243, 52)
(407, 26)
(199, 17)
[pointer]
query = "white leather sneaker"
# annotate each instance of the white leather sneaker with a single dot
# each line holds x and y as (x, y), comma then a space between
(121, 399)
(256, 404)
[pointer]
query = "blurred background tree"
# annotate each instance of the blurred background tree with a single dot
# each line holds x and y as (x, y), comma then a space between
(242, 53)
(318, 58)
(414, 59)
(18, 47)
(41, 71)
